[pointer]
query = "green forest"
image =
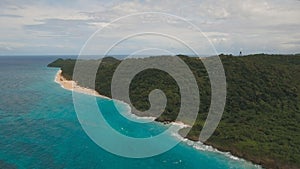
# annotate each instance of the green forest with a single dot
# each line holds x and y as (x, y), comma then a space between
(262, 113)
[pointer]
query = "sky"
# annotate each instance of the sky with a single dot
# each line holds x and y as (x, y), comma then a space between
(49, 27)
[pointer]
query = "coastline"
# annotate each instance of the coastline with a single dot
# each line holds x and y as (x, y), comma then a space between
(198, 145)
(73, 86)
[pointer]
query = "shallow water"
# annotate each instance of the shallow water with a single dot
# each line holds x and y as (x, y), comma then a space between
(39, 127)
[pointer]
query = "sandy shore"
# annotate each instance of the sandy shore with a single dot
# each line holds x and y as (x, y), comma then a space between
(73, 86)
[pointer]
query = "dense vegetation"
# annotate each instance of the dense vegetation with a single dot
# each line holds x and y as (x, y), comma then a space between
(262, 112)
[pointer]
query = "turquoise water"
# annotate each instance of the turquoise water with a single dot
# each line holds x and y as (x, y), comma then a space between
(39, 127)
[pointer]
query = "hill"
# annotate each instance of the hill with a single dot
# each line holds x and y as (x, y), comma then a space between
(262, 113)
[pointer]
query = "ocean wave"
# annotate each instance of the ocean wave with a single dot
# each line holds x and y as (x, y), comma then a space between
(207, 148)
(127, 113)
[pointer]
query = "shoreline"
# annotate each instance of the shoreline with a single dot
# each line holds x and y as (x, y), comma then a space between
(198, 145)
(73, 86)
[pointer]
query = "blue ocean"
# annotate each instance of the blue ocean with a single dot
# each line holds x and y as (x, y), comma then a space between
(39, 127)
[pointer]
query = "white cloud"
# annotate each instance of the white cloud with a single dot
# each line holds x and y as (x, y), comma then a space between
(256, 26)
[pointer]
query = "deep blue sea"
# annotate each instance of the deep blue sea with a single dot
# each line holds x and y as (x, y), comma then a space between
(39, 127)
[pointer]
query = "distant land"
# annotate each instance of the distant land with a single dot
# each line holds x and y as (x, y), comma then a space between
(262, 113)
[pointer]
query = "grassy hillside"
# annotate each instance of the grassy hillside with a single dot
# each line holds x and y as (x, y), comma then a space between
(262, 112)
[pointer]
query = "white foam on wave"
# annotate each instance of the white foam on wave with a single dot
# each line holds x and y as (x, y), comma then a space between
(131, 116)
(180, 124)
(207, 148)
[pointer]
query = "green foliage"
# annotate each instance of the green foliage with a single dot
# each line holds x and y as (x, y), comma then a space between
(67, 67)
(261, 117)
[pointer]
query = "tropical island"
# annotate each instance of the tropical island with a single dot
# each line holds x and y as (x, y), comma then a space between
(262, 113)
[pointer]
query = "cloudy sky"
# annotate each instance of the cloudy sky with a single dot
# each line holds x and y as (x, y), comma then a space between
(49, 27)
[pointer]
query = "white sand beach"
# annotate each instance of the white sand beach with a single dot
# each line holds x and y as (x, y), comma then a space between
(73, 86)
